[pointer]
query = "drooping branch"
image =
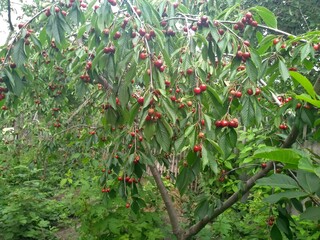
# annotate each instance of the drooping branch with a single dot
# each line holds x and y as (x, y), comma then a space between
(174, 220)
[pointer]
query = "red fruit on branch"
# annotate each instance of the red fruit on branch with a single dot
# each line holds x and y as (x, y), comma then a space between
(276, 41)
(203, 87)
(141, 100)
(189, 71)
(197, 148)
(142, 55)
(248, 15)
(197, 90)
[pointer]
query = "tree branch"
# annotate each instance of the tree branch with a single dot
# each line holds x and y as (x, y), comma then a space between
(229, 202)
(9, 16)
(167, 201)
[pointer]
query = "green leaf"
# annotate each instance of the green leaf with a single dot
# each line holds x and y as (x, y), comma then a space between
(247, 112)
(15, 82)
(310, 182)
(163, 136)
(252, 70)
(124, 95)
(305, 51)
(149, 131)
(304, 82)
(311, 213)
(306, 164)
(56, 29)
(290, 156)
(278, 180)
(307, 98)
(274, 198)
(226, 146)
(76, 16)
(283, 70)
(202, 209)
(179, 143)
(275, 233)
(208, 159)
(19, 55)
(267, 16)
(185, 177)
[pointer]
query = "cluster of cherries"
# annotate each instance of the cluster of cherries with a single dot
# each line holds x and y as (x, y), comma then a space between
(153, 115)
(233, 123)
(202, 87)
(246, 20)
(202, 22)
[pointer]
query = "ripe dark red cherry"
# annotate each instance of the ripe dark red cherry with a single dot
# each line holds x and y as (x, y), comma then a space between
(248, 15)
(143, 56)
(141, 100)
(197, 148)
(189, 71)
(197, 90)
(203, 87)
(224, 123)
(276, 41)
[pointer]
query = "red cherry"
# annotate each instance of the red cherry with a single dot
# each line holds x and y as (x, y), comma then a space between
(173, 98)
(141, 100)
(263, 165)
(250, 91)
(316, 47)
(239, 54)
(56, 9)
(233, 124)
(142, 32)
(158, 63)
(117, 35)
(298, 105)
(246, 55)
(248, 15)
(258, 91)
(276, 41)
(203, 87)
(218, 123)
(197, 148)
(254, 24)
(247, 43)
(197, 90)
(143, 56)
(127, 205)
(221, 31)
(189, 71)
(224, 123)
(238, 94)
